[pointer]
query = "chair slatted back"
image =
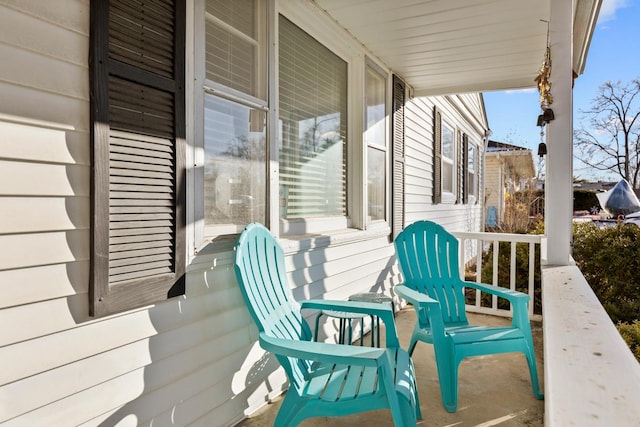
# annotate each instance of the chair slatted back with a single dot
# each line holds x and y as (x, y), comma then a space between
(428, 258)
(261, 274)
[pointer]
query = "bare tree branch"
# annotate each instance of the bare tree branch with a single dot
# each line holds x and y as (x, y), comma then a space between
(609, 139)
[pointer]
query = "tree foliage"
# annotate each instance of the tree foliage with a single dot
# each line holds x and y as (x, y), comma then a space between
(609, 259)
(609, 138)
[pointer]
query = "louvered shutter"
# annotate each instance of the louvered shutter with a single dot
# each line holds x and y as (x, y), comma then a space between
(459, 168)
(138, 131)
(437, 155)
(465, 169)
(397, 221)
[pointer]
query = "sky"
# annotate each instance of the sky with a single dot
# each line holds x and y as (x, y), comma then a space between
(614, 55)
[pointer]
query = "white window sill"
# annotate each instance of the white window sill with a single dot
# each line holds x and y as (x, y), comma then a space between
(296, 243)
(218, 250)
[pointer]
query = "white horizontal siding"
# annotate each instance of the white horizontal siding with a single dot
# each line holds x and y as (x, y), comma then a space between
(34, 214)
(67, 14)
(35, 249)
(493, 184)
(28, 140)
(41, 179)
(39, 74)
(44, 108)
(29, 285)
(466, 114)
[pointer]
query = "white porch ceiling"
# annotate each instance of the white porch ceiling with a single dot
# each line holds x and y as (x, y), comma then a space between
(454, 46)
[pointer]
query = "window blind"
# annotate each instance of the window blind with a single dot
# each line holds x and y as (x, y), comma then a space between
(313, 127)
(234, 53)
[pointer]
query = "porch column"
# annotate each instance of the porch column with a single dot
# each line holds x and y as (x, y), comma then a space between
(559, 163)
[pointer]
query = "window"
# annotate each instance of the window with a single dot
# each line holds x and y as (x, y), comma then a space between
(138, 137)
(472, 175)
(446, 176)
(312, 127)
(235, 116)
(448, 159)
(375, 136)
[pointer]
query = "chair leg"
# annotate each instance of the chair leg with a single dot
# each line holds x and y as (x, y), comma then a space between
(448, 377)
(415, 387)
(407, 412)
(288, 415)
(412, 345)
(533, 371)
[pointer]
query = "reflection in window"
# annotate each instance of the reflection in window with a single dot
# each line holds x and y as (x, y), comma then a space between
(447, 159)
(376, 183)
(234, 168)
(312, 127)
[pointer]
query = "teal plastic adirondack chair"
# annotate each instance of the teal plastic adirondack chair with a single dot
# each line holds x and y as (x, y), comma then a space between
(324, 379)
(428, 258)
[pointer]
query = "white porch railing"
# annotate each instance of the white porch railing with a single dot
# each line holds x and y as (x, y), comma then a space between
(591, 378)
(474, 245)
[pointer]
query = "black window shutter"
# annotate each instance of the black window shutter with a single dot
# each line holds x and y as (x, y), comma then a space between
(465, 169)
(458, 168)
(138, 142)
(437, 155)
(397, 221)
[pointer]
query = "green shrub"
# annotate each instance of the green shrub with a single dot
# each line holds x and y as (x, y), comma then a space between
(609, 259)
(631, 334)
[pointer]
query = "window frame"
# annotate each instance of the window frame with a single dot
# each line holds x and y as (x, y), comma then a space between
(471, 175)
(201, 234)
(449, 196)
(332, 38)
(330, 35)
(306, 113)
(371, 66)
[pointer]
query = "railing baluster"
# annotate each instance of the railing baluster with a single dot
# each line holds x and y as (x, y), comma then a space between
(496, 250)
(512, 270)
(479, 246)
(532, 272)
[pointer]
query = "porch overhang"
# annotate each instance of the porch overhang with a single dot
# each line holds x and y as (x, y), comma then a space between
(455, 46)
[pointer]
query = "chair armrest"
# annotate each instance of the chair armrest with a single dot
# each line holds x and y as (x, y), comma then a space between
(381, 310)
(414, 297)
(518, 300)
(324, 352)
(424, 304)
(515, 297)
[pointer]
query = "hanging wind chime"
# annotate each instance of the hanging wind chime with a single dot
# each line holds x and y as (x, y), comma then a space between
(546, 99)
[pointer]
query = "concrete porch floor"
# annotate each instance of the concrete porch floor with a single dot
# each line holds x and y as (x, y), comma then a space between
(493, 390)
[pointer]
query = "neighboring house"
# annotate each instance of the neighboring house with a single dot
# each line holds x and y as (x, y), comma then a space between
(115, 197)
(508, 168)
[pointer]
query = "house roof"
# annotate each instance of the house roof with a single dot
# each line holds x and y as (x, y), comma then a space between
(503, 146)
(454, 46)
(520, 158)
